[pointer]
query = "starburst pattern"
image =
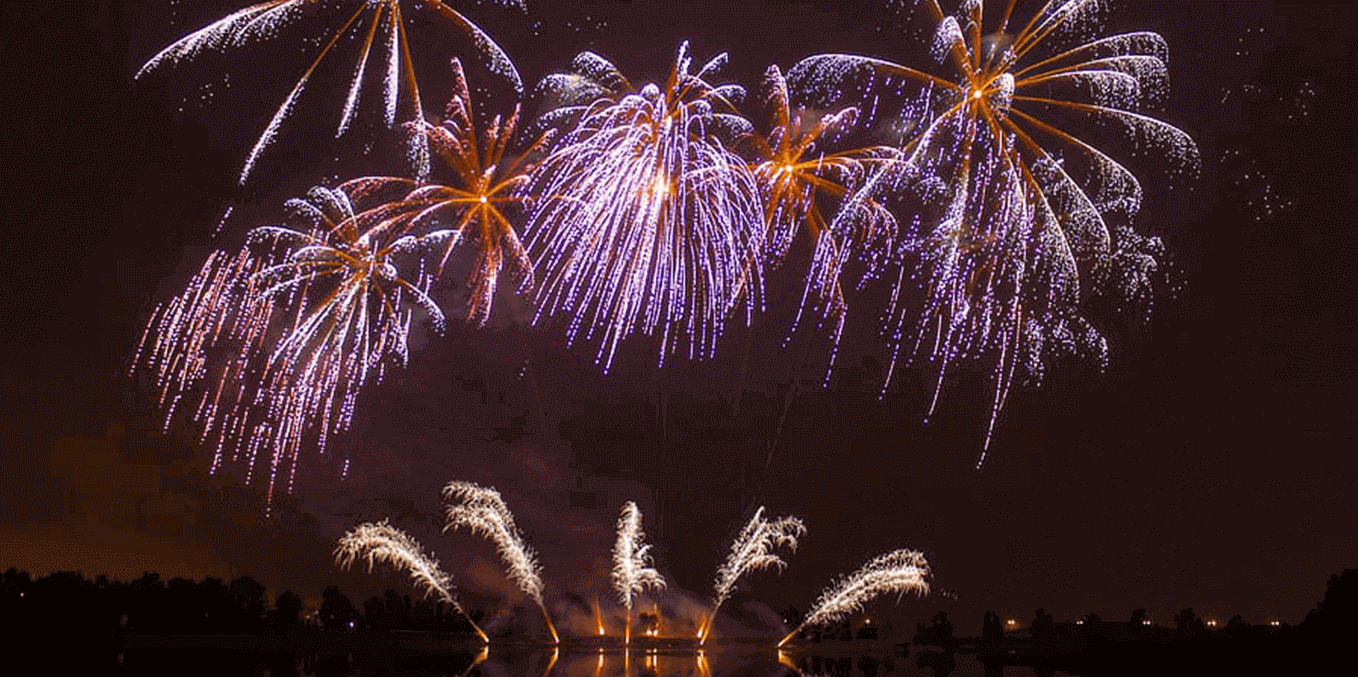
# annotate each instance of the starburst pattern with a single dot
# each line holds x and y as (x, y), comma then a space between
(753, 550)
(647, 222)
(487, 187)
(379, 27)
(288, 331)
(482, 511)
(381, 542)
(896, 572)
(1013, 226)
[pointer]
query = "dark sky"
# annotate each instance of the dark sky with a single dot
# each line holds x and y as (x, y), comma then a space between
(1210, 466)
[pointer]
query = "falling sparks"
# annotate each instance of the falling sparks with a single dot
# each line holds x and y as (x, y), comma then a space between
(381, 542)
(378, 26)
(647, 222)
(482, 511)
(285, 334)
(752, 550)
(896, 572)
(794, 170)
(1012, 228)
(632, 571)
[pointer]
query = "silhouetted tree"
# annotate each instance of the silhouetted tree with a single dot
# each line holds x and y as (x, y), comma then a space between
(337, 611)
(287, 611)
(1140, 616)
(991, 628)
(247, 597)
(1237, 627)
(1188, 623)
(1042, 626)
(939, 633)
(1336, 615)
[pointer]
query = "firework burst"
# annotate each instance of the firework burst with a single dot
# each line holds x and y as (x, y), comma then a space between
(482, 511)
(632, 570)
(377, 27)
(488, 184)
(286, 333)
(752, 550)
(647, 222)
(381, 542)
(796, 173)
(897, 572)
(1016, 212)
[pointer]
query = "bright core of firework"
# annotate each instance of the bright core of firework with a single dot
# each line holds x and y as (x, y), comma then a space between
(646, 222)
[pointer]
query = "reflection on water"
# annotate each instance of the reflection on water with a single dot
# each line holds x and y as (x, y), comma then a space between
(714, 662)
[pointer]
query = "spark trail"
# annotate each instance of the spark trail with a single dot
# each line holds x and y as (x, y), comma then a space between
(897, 572)
(482, 511)
(381, 542)
(632, 570)
(752, 550)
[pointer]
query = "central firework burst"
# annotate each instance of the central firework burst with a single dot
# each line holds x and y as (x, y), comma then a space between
(646, 221)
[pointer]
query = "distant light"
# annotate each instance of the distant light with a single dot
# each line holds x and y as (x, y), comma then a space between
(351, 624)
(1275, 624)
(1145, 622)
(1080, 622)
(483, 199)
(1012, 621)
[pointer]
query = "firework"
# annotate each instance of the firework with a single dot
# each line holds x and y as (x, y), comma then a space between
(646, 221)
(384, 543)
(291, 329)
(1011, 236)
(795, 173)
(897, 572)
(488, 182)
(378, 27)
(632, 571)
(751, 551)
(482, 511)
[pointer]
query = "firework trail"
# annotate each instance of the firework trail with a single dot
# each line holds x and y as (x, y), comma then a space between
(288, 332)
(384, 543)
(482, 511)
(794, 170)
(1010, 236)
(752, 550)
(487, 185)
(376, 28)
(647, 222)
(632, 571)
(897, 572)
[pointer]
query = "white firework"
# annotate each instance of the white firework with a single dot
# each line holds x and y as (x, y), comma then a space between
(753, 550)
(646, 222)
(381, 542)
(896, 572)
(482, 511)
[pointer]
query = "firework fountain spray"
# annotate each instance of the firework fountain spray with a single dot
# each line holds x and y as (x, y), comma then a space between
(632, 573)
(900, 572)
(382, 542)
(484, 513)
(752, 550)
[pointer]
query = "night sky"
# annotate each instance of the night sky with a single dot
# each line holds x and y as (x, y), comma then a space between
(1209, 466)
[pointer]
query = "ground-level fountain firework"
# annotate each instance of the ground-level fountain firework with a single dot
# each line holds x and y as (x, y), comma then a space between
(482, 511)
